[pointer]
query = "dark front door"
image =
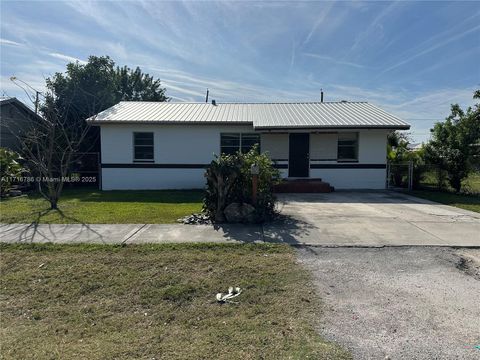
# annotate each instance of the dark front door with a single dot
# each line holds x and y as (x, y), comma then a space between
(298, 160)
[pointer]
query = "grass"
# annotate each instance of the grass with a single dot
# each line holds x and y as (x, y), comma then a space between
(157, 302)
(470, 185)
(467, 202)
(103, 207)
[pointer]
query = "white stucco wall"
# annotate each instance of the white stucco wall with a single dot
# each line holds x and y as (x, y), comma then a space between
(173, 144)
(276, 145)
(352, 178)
(323, 146)
(372, 149)
(196, 144)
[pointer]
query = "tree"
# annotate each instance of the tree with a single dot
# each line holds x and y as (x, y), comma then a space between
(87, 89)
(137, 86)
(399, 155)
(455, 143)
(396, 139)
(52, 145)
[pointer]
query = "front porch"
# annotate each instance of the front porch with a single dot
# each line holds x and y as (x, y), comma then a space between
(317, 161)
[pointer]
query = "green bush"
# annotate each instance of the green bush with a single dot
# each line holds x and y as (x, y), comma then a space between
(10, 168)
(229, 180)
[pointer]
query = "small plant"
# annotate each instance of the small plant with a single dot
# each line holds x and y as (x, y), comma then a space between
(10, 168)
(229, 180)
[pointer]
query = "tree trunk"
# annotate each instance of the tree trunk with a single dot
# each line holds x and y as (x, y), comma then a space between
(456, 183)
(219, 216)
(53, 204)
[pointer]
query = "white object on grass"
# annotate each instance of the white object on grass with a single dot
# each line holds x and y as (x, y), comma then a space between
(232, 292)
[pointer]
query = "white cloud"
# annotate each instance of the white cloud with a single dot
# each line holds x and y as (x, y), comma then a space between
(66, 58)
(436, 42)
(9, 42)
(334, 60)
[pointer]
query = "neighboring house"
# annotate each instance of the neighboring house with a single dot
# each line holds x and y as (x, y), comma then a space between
(414, 146)
(15, 116)
(164, 145)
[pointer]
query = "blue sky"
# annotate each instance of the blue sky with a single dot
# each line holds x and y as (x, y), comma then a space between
(412, 58)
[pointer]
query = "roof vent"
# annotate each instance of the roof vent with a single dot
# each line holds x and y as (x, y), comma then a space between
(214, 103)
(344, 101)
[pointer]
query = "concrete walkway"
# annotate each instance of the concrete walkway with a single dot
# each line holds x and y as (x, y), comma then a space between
(363, 219)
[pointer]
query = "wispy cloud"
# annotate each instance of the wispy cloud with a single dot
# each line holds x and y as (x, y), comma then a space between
(259, 51)
(9, 42)
(320, 20)
(334, 60)
(67, 58)
(375, 27)
(436, 42)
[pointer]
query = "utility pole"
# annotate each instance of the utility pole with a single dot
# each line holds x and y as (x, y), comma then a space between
(37, 93)
(36, 101)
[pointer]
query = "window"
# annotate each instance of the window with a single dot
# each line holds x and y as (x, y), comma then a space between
(230, 143)
(143, 146)
(347, 147)
(249, 141)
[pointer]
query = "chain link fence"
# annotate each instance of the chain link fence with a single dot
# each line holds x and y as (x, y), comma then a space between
(412, 176)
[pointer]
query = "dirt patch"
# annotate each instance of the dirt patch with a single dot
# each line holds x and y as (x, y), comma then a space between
(399, 303)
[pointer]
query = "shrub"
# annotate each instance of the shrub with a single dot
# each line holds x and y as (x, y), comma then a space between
(10, 168)
(229, 180)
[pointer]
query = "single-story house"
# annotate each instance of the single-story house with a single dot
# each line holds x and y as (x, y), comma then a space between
(166, 145)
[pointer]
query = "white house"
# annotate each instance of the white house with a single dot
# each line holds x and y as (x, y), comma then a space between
(166, 145)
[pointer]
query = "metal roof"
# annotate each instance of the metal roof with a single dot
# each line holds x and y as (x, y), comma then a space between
(262, 115)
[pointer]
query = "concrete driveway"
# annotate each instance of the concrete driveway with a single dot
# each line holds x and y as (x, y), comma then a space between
(380, 218)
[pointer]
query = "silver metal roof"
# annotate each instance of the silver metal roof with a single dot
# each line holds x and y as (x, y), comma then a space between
(260, 115)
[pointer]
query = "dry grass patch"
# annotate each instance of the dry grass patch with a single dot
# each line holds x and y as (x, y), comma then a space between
(157, 302)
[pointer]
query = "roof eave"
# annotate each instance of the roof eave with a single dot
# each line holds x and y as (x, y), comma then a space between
(366, 127)
(155, 122)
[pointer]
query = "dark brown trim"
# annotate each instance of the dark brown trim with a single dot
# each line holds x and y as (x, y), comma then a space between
(280, 166)
(348, 166)
(154, 166)
(323, 159)
(279, 159)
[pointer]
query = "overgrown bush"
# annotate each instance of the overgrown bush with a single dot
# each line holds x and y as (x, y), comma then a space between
(10, 168)
(229, 180)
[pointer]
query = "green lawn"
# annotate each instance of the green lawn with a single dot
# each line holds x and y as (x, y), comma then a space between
(470, 185)
(468, 202)
(103, 207)
(157, 302)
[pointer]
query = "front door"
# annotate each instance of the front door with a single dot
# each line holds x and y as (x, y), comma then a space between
(298, 159)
